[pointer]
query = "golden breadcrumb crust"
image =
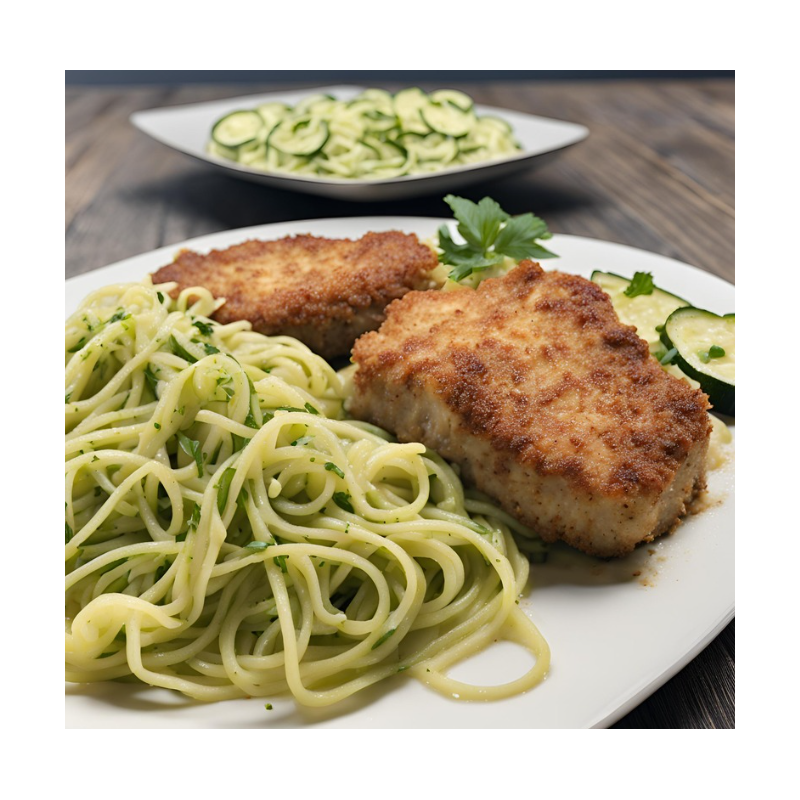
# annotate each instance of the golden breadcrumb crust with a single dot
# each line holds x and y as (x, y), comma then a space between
(325, 292)
(534, 374)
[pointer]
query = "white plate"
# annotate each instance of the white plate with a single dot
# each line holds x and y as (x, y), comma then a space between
(615, 637)
(188, 127)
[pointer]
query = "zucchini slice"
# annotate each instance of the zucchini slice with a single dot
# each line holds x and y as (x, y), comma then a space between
(237, 128)
(302, 136)
(461, 101)
(272, 113)
(433, 147)
(705, 345)
(448, 119)
(646, 312)
(408, 105)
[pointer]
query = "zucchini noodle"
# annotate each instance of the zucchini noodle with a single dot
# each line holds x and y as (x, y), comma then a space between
(230, 534)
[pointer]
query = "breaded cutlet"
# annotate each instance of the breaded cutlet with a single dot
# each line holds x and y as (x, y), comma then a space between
(324, 292)
(548, 403)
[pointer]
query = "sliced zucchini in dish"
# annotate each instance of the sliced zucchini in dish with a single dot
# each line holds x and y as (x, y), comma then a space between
(376, 121)
(380, 98)
(408, 105)
(448, 119)
(374, 134)
(237, 128)
(497, 123)
(646, 312)
(705, 349)
(433, 147)
(272, 113)
(299, 137)
(461, 101)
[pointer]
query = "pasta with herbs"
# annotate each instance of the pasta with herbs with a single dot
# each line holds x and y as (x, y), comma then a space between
(229, 533)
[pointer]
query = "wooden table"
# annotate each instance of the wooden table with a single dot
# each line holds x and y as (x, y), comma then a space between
(657, 172)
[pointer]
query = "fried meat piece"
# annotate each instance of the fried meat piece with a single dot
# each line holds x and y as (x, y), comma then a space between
(547, 402)
(324, 292)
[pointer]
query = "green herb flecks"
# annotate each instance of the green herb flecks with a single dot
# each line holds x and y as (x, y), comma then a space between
(331, 467)
(194, 521)
(308, 408)
(118, 316)
(715, 351)
(280, 561)
(490, 235)
(206, 328)
(383, 638)
(192, 448)
(180, 350)
(641, 283)
(152, 380)
(224, 488)
(342, 499)
(256, 546)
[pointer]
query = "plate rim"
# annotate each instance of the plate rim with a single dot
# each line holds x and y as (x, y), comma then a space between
(375, 219)
(604, 717)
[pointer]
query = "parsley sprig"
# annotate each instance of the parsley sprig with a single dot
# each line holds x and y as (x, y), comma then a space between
(490, 235)
(641, 283)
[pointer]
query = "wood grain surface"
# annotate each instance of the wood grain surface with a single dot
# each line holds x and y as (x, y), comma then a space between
(657, 172)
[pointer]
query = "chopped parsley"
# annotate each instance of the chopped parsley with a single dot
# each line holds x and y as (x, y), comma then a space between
(224, 486)
(192, 448)
(342, 499)
(280, 561)
(641, 283)
(205, 328)
(180, 350)
(715, 351)
(331, 467)
(152, 381)
(383, 638)
(194, 520)
(118, 315)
